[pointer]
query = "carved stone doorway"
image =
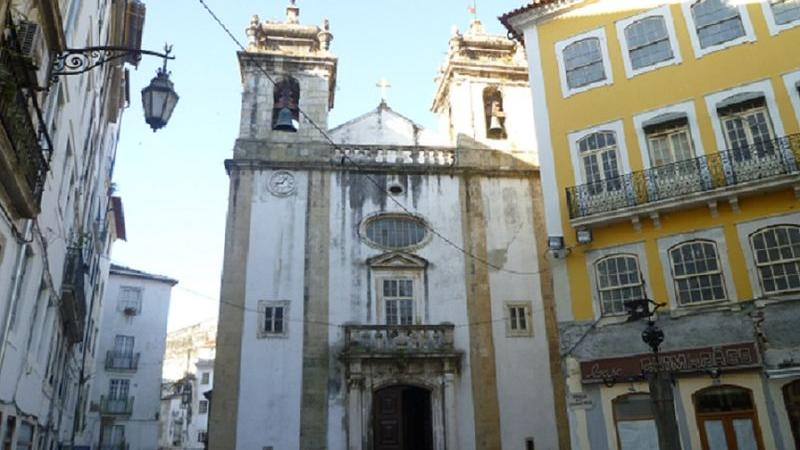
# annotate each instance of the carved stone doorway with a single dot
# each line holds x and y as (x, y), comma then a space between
(402, 418)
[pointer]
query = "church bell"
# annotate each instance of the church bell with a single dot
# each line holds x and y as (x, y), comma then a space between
(494, 125)
(285, 121)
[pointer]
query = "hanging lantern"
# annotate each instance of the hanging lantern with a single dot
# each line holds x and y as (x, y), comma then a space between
(159, 98)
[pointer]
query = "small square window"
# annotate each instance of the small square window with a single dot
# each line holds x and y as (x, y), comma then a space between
(273, 318)
(518, 319)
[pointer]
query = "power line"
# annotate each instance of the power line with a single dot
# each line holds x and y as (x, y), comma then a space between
(324, 323)
(346, 157)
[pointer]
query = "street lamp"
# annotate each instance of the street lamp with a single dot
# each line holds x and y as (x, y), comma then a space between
(159, 98)
(659, 381)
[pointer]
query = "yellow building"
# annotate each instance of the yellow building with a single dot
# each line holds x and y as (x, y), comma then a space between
(669, 141)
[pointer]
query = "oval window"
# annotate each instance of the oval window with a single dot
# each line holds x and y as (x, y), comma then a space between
(395, 232)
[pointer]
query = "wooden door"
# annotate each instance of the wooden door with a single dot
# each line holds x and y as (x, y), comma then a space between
(791, 395)
(388, 419)
(726, 418)
(730, 432)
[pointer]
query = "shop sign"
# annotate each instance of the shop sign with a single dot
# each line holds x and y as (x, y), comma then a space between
(579, 400)
(723, 357)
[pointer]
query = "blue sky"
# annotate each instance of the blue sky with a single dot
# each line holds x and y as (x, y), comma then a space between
(173, 183)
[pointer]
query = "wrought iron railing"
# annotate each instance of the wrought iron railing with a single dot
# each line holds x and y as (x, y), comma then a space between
(398, 338)
(116, 406)
(733, 167)
(122, 361)
(73, 295)
(17, 105)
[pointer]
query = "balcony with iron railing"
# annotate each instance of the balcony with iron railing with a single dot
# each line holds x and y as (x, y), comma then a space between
(388, 341)
(73, 295)
(117, 361)
(726, 175)
(23, 161)
(116, 406)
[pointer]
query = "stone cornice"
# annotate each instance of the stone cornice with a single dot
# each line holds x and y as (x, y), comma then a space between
(261, 155)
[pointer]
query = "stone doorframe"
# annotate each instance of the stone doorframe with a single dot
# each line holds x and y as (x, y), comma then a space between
(366, 375)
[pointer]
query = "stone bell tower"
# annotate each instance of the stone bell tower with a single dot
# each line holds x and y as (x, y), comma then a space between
(483, 95)
(287, 68)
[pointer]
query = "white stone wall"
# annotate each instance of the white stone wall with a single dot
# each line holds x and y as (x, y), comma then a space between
(269, 404)
(383, 126)
(525, 389)
(270, 395)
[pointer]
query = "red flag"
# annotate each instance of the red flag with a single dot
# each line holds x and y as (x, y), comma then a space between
(471, 9)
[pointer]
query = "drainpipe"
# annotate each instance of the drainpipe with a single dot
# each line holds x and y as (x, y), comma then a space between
(12, 296)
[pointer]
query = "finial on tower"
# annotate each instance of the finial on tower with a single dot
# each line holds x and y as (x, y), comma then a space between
(292, 13)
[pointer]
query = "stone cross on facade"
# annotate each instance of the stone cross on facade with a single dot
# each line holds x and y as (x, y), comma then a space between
(383, 84)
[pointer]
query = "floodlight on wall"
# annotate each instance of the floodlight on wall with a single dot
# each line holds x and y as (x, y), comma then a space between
(584, 236)
(555, 243)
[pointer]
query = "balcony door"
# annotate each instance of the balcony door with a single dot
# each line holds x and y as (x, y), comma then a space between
(675, 170)
(402, 418)
(750, 138)
(599, 160)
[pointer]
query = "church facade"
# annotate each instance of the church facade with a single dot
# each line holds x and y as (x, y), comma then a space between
(381, 284)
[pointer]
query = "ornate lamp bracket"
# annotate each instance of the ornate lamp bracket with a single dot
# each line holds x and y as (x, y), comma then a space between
(75, 61)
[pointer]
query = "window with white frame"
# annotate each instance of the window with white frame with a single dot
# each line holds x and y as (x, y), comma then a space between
(648, 42)
(669, 142)
(598, 154)
(273, 318)
(777, 256)
(398, 301)
(202, 407)
(717, 22)
(202, 436)
(205, 377)
(696, 272)
(785, 11)
(583, 62)
(130, 300)
(747, 127)
(518, 319)
(618, 280)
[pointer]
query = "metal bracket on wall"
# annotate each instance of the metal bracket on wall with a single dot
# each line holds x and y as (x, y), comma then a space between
(74, 61)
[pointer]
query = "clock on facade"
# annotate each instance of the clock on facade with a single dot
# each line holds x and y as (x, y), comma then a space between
(281, 183)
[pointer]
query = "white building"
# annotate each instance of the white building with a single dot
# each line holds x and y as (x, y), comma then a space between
(125, 392)
(58, 138)
(188, 374)
(187, 346)
(383, 293)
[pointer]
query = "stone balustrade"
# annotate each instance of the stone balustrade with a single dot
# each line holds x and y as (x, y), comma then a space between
(397, 155)
(394, 339)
